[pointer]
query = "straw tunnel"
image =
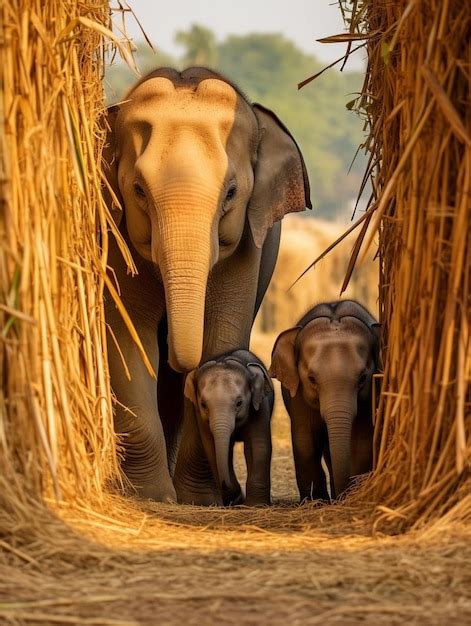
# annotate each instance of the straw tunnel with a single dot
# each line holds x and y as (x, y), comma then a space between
(68, 538)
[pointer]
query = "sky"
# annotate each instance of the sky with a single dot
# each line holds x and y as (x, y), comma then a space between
(302, 21)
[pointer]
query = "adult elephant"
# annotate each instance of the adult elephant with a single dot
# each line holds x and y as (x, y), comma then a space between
(202, 178)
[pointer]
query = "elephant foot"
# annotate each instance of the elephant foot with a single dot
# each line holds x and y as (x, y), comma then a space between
(314, 497)
(233, 499)
(202, 492)
(317, 499)
(258, 494)
(150, 492)
(256, 501)
(199, 499)
(155, 490)
(311, 493)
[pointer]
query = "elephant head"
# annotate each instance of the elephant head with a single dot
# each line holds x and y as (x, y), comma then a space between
(224, 392)
(191, 165)
(330, 358)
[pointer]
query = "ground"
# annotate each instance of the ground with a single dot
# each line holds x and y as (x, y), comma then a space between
(126, 563)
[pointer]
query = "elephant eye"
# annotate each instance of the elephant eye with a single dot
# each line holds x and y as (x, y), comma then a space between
(238, 403)
(204, 406)
(362, 379)
(231, 192)
(139, 191)
(312, 379)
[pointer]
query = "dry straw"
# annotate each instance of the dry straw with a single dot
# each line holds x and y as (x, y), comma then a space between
(56, 419)
(416, 98)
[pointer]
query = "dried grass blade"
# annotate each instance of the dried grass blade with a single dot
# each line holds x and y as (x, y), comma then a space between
(445, 105)
(129, 325)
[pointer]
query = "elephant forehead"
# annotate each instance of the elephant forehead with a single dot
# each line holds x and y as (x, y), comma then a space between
(221, 378)
(209, 88)
(325, 334)
(216, 90)
(152, 88)
(209, 103)
(160, 89)
(334, 327)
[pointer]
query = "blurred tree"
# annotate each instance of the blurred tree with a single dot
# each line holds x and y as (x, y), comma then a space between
(200, 45)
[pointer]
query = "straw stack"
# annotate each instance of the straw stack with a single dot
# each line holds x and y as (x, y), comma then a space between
(416, 98)
(56, 420)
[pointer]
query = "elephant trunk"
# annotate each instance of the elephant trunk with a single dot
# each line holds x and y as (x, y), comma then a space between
(185, 259)
(185, 298)
(222, 431)
(339, 415)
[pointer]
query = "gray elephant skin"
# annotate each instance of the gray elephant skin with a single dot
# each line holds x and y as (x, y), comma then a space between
(198, 180)
(233, 398)
(325, 365)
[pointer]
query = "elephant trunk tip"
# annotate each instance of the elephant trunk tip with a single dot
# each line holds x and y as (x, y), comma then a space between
(184, 362)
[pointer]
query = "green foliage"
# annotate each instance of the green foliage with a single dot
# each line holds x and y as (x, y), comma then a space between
(267, 67)
(200, 44)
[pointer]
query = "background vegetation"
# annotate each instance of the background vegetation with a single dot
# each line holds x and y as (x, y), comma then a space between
(267, 67)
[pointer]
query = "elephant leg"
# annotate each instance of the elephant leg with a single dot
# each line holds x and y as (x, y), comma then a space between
(257, 451)
(308, 438)
(170, 399)
(236, 496)
(310, 476)
(137, 420)
(194, 480)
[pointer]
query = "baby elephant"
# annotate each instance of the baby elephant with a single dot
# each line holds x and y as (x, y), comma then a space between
(325, 365)
(233, 398)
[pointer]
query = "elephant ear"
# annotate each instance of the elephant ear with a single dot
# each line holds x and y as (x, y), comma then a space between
(284, 365)
(111, 192)
(191, 381)
(281, 184)
(260, 384)
(190, 387)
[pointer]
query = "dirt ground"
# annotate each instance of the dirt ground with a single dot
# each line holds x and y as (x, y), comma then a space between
(160, 564)
(126, 563)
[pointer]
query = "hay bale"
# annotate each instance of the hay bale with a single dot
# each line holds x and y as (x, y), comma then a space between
(416, 99)
(56, 419)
